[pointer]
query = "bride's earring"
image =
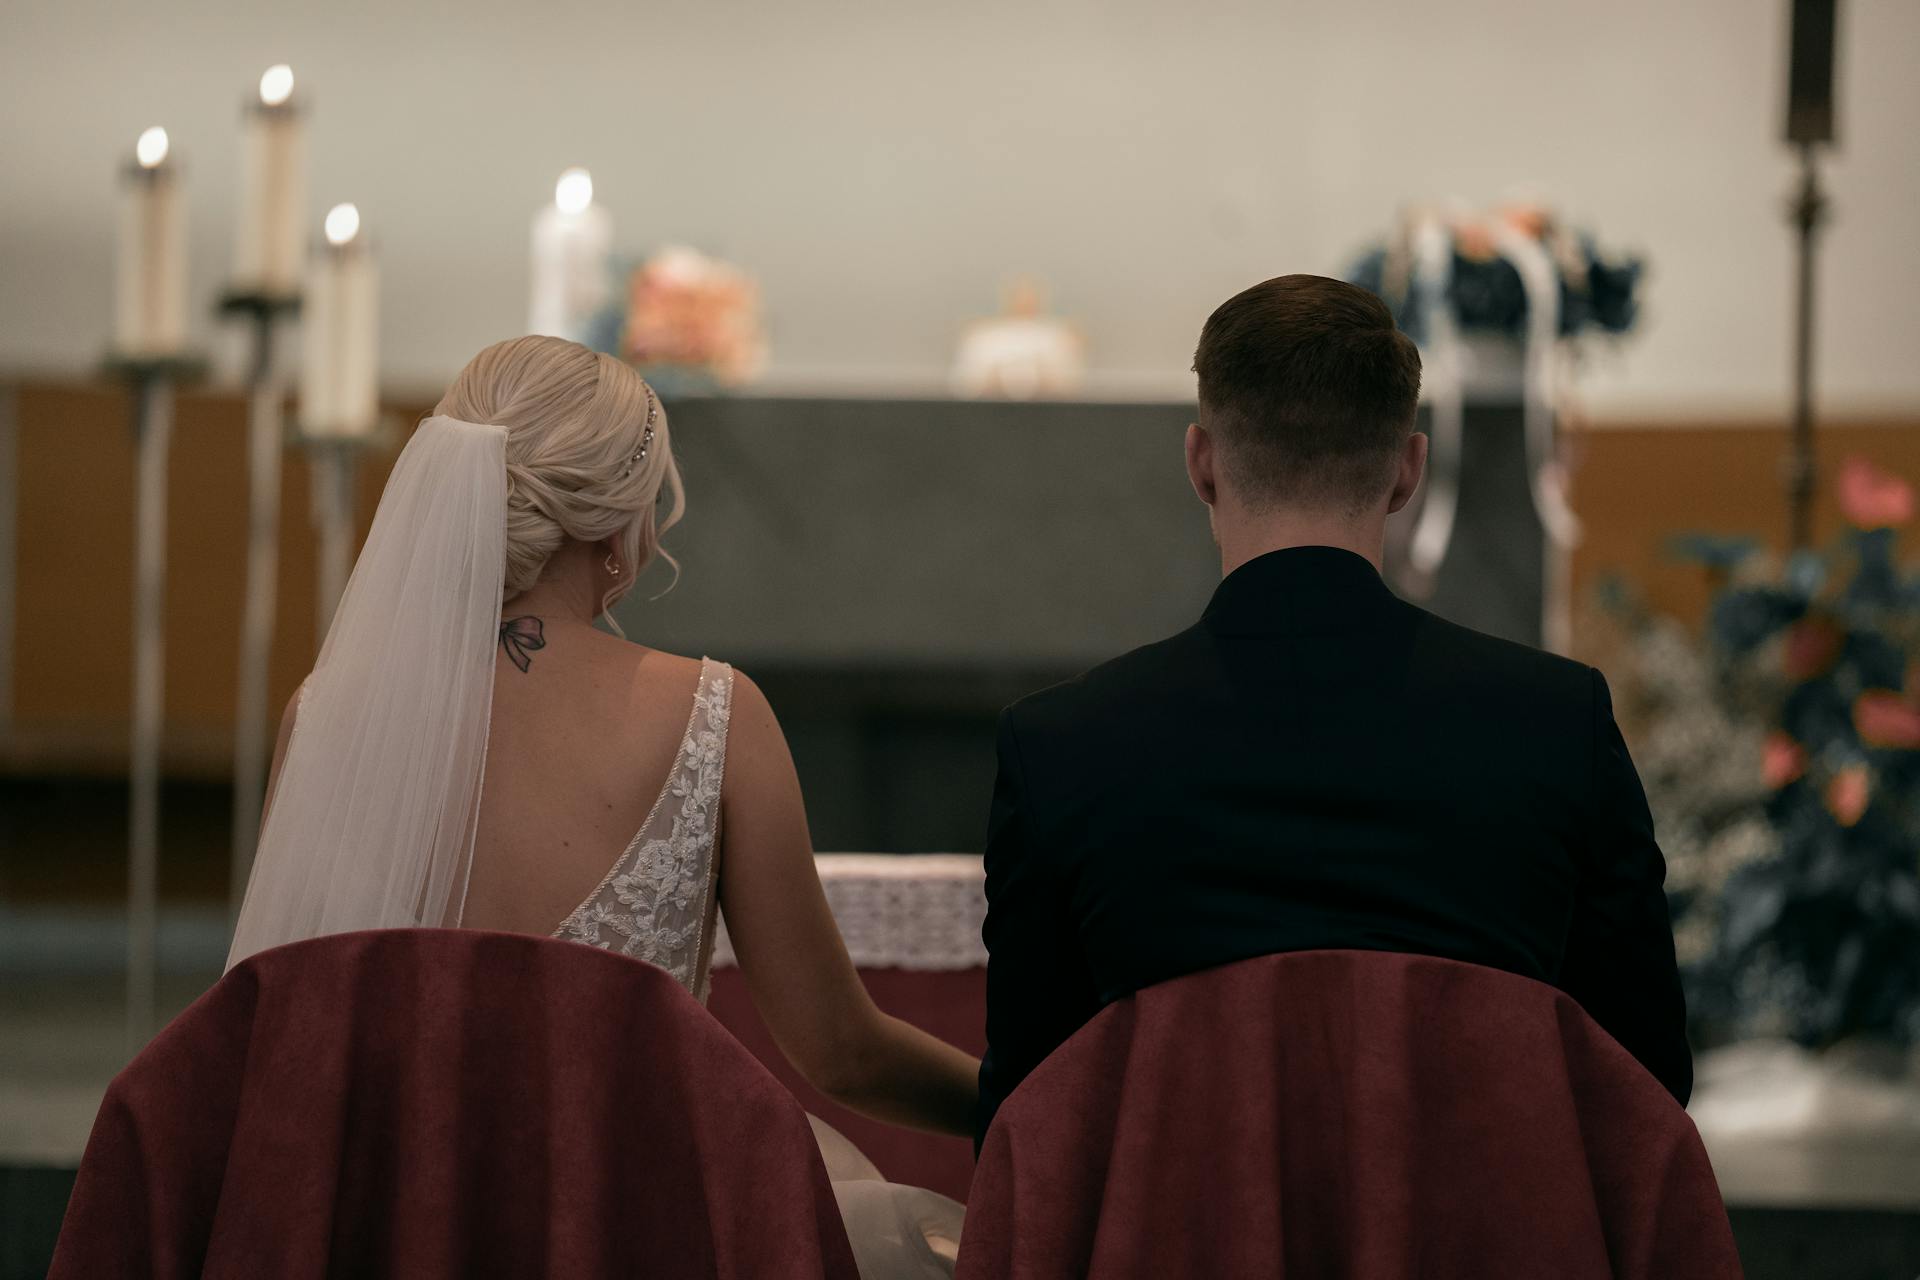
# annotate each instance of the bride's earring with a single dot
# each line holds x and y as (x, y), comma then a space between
(613, 566)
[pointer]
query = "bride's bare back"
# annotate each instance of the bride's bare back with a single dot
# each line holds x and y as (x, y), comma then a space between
(585, 728)
(581, 741)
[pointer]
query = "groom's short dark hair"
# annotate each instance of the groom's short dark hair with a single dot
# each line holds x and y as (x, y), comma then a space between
(1309, 391)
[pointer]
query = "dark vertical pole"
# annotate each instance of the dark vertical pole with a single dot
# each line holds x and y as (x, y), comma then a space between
(253, 732)
(1810, 124)
(1809, 209)
(153, 432)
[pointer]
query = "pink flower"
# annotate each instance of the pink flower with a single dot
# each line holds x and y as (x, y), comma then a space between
(1871, 498)
(1474, 240)
(1812, 645)
(687, 309)
(1782, 760)
(1529, 219)
(1847, 795)
(1883, 718)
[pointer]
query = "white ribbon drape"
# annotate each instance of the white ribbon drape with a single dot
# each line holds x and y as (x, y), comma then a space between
(1444, 380)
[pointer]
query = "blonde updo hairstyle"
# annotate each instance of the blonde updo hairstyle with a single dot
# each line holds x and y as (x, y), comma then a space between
(575, 418)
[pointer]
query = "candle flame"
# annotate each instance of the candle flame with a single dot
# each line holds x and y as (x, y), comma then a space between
(342, 224)
(151, 149)
(276, 85)
(574, 192)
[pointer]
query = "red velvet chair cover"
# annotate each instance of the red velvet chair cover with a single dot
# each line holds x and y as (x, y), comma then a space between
(443, 1102)
(1344, 1114)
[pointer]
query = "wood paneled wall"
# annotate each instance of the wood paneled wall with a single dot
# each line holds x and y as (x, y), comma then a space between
(72, 607)
(1636, 487)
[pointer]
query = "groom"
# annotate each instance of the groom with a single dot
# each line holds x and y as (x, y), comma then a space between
(1316, 764)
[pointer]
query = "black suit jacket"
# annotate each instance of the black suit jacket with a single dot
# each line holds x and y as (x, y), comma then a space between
(1319, 764)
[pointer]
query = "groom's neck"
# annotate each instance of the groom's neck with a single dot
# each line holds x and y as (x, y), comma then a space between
(1245, 536)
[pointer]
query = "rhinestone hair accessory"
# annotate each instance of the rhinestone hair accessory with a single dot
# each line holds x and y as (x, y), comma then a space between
(646, 437)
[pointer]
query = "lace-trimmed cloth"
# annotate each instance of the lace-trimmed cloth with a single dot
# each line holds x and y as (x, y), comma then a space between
(901, 911)
(658, 904)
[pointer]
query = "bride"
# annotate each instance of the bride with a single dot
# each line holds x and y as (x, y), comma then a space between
(471, 751)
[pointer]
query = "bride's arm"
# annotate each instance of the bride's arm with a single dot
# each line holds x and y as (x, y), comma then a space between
(792, 956)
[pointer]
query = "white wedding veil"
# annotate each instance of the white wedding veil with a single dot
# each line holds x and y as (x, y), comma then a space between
(370, 824)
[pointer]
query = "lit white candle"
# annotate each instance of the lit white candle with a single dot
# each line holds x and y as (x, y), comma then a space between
(339, 369)
(572, 247)
(268, 242)
(150, 269)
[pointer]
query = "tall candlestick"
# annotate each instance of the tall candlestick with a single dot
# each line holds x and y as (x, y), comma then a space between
(572, 246)
(149, 351)
(150, 293)
(273, 191)
(268, 266)
(339, 393)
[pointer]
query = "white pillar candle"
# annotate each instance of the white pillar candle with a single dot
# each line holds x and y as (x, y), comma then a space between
(572, 247)
(150, 269)
(339, 370)
(269, 239)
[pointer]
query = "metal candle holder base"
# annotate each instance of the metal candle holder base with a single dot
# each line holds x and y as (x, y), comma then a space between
(180, 369)
(258, 303)
(266, 399)
(334, 461)
(152, 379)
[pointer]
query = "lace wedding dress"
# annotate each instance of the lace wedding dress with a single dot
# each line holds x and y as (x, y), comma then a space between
(658, 904)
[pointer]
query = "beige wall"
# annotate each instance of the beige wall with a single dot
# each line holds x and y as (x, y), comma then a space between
(883, 163)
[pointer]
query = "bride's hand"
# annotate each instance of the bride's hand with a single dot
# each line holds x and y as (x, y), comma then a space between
(792, 956)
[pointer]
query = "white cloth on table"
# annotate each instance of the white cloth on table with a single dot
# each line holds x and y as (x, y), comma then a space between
(901, 911)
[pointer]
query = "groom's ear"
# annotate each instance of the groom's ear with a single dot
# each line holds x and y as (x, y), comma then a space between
(1200, 464)
(1408, 470)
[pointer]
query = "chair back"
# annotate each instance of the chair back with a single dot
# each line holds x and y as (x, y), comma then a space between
(443, 1102)
(1344, 1113)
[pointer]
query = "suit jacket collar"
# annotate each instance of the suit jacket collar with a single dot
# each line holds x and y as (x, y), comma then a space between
(1300, 589)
